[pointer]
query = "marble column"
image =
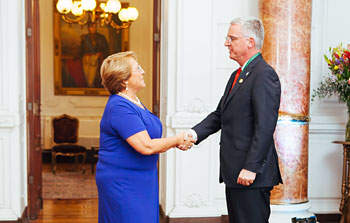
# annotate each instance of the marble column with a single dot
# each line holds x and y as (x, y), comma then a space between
(287, 48)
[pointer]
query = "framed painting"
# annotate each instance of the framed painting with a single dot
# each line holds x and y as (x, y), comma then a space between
(79, 51)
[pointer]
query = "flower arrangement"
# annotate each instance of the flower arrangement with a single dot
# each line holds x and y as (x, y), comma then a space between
(338, 83)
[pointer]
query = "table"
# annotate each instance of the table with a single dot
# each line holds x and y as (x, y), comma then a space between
(94, 148)
(344, 203)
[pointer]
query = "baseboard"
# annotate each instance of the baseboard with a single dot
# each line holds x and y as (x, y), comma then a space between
(196, 220)
(166, 219)
(322, 218)
(23, 219)
(162, 217)
(328, 217)
(223, 219)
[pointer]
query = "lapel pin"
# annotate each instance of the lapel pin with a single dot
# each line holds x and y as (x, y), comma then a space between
(240, 81)
(247, 74)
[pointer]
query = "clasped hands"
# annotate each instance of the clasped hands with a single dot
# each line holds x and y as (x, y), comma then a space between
(185, 141)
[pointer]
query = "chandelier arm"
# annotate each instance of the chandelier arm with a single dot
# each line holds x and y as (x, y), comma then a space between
(93, 16)
(108, 19)
(124, 25)
(83, 22)
(70, 20)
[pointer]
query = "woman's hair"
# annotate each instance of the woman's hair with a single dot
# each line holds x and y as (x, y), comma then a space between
(115, 70)
(251, 27)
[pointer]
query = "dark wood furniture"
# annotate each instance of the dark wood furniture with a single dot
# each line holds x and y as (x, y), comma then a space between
(344, 203)
(94, 156)
(65, 137)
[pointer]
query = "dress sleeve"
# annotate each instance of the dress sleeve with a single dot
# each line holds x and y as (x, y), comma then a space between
(126, 121)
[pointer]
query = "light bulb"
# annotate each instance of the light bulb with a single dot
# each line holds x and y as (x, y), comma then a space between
(77, 8)
(133, 13)
(88, 5)
(113, 6)
(64, 6)
(123, 15)
(103, 6)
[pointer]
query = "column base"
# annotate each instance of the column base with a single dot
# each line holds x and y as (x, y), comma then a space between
(285, 212)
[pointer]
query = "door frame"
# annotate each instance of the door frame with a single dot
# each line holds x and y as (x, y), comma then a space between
(156, 57)
(35, 202)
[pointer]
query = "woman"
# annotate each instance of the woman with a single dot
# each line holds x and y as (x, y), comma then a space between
(130, 140)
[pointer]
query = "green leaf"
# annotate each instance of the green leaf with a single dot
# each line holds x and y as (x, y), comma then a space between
(327, 60)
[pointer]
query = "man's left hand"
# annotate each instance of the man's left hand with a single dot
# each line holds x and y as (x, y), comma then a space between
(246, 177)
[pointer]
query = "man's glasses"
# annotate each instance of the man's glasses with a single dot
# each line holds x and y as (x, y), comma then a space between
(233, 38)
(139, 68)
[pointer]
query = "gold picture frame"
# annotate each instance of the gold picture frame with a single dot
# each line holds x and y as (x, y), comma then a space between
(76, 70)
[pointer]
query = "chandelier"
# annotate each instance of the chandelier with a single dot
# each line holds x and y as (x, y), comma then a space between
(84, 11)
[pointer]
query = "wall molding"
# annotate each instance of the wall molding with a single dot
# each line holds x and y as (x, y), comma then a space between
(24, 218)
(325, 205)
(9, 121)
(87, 103)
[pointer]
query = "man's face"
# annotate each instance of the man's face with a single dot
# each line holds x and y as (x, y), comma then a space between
(236, 43)
(92, 28)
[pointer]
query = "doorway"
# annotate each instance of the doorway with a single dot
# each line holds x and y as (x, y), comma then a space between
(88, 109)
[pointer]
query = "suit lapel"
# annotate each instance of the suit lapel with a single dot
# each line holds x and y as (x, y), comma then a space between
(246, 73)
(228, 87)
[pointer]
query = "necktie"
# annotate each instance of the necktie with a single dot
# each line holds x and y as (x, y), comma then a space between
(236, 77)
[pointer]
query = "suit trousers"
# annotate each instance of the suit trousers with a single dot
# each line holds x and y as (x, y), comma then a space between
(248, 205)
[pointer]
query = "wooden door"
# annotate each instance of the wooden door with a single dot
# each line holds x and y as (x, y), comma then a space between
(33, 108)
(156, 57)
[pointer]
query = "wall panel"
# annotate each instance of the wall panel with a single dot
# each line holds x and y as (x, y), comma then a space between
(13, 169)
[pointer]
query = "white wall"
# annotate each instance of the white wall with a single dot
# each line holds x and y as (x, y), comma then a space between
(328, 116)
(13, 152)
(195, 68)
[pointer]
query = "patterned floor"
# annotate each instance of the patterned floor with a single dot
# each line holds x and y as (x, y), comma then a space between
(67, 183)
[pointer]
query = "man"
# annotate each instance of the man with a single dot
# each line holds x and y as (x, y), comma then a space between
(93, 50)
(246, 115)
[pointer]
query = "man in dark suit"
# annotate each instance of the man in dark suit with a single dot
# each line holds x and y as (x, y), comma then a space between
(246, 115)
(93, 50)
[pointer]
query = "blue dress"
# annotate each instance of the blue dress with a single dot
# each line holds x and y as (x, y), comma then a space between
(127, 181)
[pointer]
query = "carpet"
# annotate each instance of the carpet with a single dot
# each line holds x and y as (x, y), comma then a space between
(67, 183)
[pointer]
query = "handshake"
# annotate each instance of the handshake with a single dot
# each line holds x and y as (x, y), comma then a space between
(186, 139)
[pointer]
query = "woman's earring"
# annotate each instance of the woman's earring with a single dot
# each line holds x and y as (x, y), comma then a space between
(126, 86)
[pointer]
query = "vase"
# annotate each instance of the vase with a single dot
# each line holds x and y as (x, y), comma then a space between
(347, 131)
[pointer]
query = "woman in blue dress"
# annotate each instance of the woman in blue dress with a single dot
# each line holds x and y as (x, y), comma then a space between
(130, 141)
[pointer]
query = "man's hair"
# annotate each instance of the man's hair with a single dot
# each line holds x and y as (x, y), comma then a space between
(251, 27)
(115, 70)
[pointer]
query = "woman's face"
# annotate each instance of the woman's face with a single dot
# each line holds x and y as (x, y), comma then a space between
(136, 81)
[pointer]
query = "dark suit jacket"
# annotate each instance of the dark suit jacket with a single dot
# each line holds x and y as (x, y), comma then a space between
(247, 119)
